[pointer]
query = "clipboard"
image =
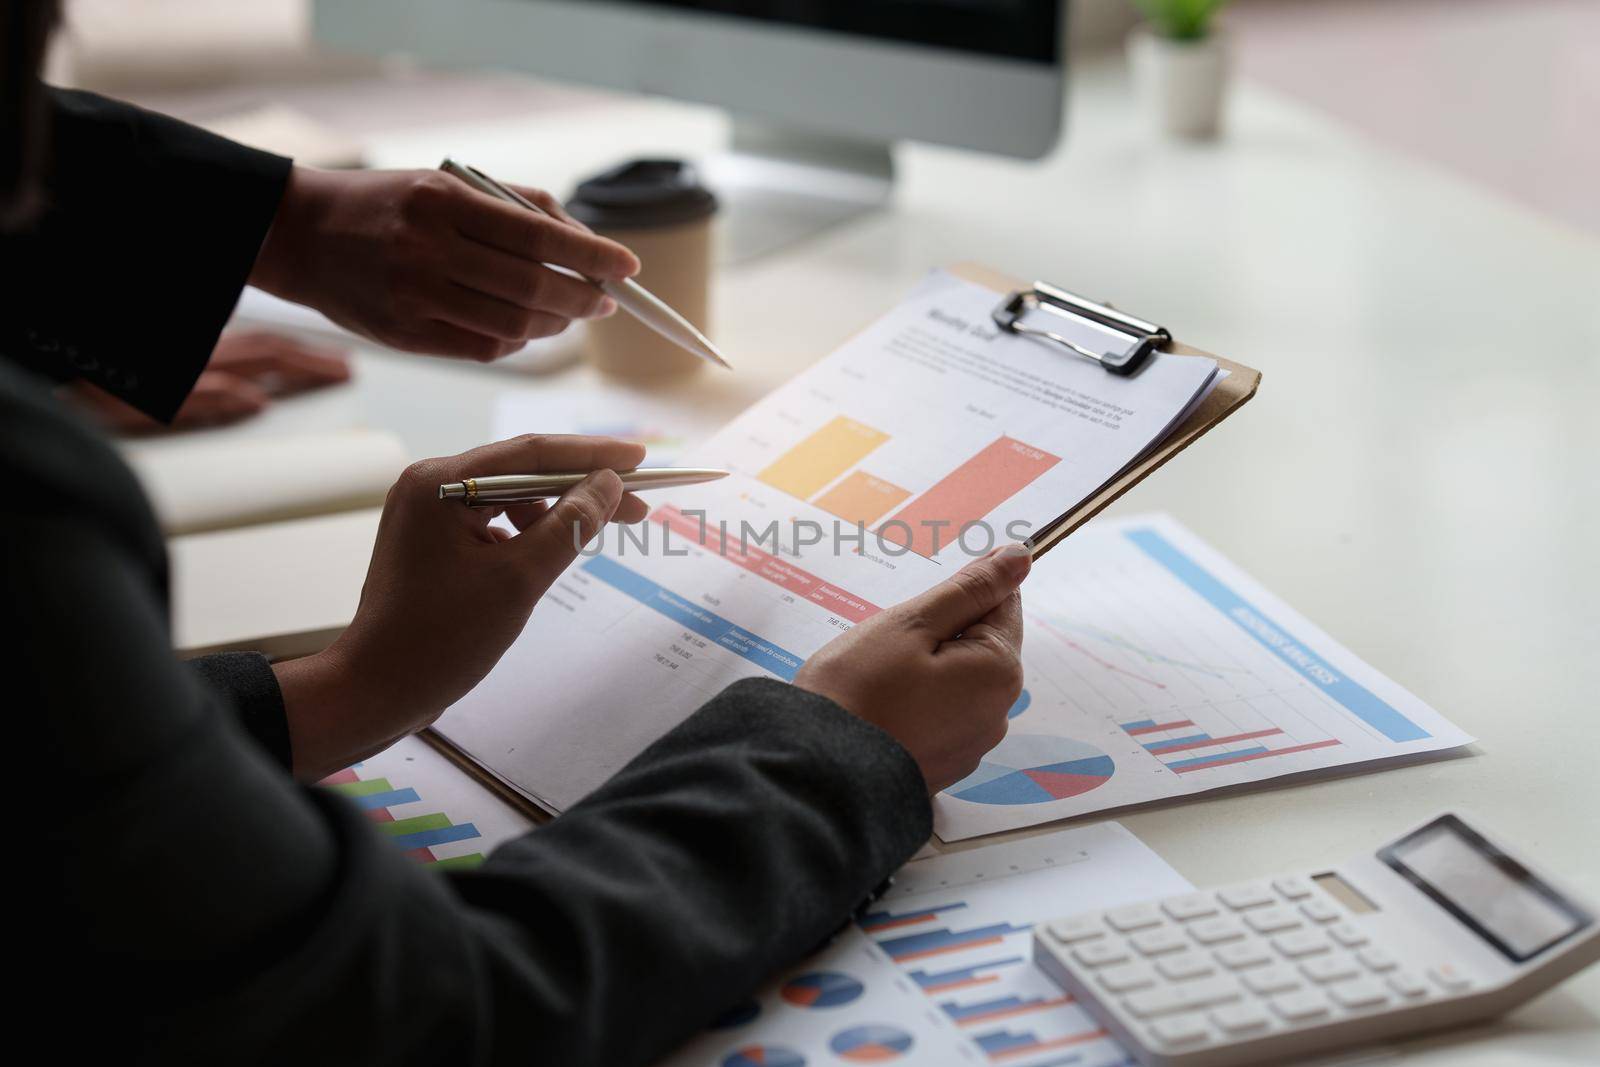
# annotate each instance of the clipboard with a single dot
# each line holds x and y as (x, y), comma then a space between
(1228, 396)
(1145, 338)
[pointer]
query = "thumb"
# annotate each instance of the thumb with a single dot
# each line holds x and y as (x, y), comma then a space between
(551, 543)
(971, 593)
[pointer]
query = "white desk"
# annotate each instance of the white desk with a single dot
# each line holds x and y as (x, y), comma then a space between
(1417, 473)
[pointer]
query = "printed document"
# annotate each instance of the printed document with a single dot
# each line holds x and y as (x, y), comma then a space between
(928, 439)
(940, 971)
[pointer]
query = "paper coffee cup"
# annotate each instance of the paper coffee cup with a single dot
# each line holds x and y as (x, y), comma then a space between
(659, 209)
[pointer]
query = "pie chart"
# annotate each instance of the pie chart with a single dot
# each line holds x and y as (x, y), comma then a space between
(1035, 769)
(820, 989)
(872, 1043)
(1021, 705)
(764, 1056)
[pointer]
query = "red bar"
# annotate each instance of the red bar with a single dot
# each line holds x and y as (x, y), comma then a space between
(1006, 1013)
(1158, 727)
(942, 949)
(1256, 755)
(343, 777)
(379, 815)
(1041, 1046)
(905, 920)
(421, 855)
(964, 983)
(967, 494)
(779, 572)
(1164, 749)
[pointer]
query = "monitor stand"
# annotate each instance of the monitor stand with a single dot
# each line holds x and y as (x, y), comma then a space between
(779, 186)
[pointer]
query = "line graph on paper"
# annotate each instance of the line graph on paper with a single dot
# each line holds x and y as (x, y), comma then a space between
(1153, 668)
(1186, 701)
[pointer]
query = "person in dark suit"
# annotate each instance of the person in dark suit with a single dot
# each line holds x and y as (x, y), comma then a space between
(199, 901)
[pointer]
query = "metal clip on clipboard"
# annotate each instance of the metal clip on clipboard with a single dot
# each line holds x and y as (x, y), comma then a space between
(1143, 337)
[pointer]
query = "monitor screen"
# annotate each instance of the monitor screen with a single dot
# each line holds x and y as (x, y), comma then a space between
(1017, 29)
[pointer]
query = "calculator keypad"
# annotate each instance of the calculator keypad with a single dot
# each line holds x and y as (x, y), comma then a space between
(1231, 965)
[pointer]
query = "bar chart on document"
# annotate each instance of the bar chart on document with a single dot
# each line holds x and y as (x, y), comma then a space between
(923, 441)
(960, 928)
(1155, 668)
(940, 971)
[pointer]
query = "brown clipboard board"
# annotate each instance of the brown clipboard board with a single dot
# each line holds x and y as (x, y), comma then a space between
(1228, 396)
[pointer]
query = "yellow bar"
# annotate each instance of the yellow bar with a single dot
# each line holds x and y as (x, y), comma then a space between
(822, 457)
(862, 498)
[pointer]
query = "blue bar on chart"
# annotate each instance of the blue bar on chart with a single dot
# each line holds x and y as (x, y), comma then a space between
(1175, 742)
(442, 836)
(999, 1008)
(960, 977)
(735, 639)
(1352, 696)
(934, 942)
(1216, 757)
(386, 800)
(1006, 1043)
(886, 920)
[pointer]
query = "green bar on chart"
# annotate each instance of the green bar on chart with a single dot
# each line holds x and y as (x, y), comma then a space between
(363, 789)
(437, 821)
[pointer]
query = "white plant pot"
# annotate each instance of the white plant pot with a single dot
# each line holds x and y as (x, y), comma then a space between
(1182, 83)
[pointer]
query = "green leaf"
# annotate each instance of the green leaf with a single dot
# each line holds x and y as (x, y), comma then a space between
(1181, 20)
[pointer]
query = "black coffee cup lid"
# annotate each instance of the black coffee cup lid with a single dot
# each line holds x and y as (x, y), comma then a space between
(642, 193)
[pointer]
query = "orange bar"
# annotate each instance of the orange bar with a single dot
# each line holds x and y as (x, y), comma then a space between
(967, 494)
(862, 498)
(819, 459)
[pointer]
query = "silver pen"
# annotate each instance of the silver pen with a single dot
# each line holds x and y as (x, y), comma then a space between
(632, 297)
(497, 490)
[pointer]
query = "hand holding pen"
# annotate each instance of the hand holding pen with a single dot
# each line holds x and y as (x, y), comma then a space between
(447, 592)
(422, 262)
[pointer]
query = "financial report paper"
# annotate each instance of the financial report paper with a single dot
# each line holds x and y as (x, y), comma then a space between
(927, 439)
(940, 971)
(1154, 668)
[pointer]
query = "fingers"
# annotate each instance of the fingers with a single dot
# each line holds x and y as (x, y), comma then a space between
(517, 282)
(476, 313)
(551, 544)
(219, 398)
(1002, 627)
(438, 338)
(629, 511)
(968, 596)
(541, 239)
(551, 203)
(279, 364)
(542, 454)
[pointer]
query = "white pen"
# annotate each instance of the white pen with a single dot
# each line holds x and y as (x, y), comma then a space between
(497, 490)
(632, 297)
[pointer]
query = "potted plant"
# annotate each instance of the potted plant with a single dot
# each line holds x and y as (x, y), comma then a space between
(1180, 65)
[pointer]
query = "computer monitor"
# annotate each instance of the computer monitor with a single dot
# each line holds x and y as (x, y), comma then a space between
(818, 89)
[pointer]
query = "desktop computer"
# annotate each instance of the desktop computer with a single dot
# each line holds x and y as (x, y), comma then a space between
(819, 90)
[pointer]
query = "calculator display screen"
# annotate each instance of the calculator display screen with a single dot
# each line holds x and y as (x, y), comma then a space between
(1497, 897)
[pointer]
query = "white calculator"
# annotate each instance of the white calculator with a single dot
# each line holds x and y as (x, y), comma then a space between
(1438, 928)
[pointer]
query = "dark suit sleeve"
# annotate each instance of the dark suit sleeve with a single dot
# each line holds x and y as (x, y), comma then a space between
(245, 681)
(149, 231)
(213, 911)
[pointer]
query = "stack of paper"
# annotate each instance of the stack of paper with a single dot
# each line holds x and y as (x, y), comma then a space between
(941, 971)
